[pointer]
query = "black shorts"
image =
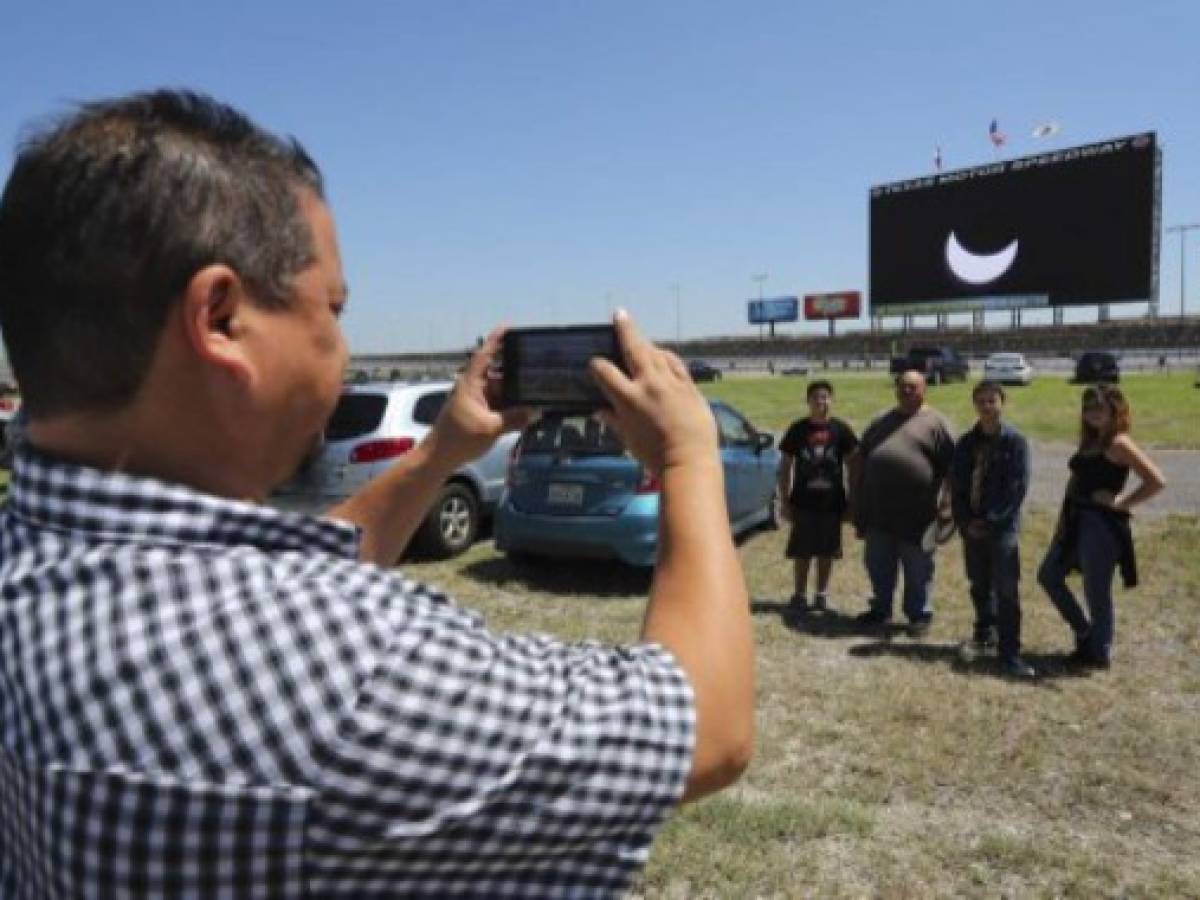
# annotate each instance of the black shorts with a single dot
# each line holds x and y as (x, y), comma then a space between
(815, 534)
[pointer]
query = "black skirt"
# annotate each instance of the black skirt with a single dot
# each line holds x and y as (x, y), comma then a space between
(815, 534)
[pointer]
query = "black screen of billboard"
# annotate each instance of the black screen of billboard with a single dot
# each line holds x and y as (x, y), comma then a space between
(1083, 227)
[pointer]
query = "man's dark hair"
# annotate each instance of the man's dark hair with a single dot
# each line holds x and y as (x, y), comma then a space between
(989, 386)
(814, 386)
(110, 212)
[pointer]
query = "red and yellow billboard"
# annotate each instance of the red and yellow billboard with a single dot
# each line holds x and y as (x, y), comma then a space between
(843, 305)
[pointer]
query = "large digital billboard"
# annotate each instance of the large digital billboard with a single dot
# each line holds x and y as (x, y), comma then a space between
(1075, 226)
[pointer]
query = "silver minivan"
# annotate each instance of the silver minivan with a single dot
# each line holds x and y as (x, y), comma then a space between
(374, 424)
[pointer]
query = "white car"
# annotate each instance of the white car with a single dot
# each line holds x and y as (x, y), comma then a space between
(1007, 368)
(371, 427)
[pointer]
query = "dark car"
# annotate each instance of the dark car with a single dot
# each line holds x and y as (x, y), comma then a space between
(1095, 366)
(937, 364)
(702, 371)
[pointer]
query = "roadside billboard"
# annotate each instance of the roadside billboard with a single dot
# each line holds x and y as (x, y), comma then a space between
(775, 309)
(841, 305)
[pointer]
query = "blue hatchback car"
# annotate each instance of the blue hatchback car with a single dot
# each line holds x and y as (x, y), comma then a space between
(573, 491)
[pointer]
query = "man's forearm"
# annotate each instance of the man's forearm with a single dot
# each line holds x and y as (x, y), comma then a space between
(699, 609)
(390, 508)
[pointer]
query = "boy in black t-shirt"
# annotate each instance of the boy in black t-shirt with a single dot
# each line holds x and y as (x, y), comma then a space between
(811, 478)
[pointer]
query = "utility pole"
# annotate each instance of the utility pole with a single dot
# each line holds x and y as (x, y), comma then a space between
(1183, 230)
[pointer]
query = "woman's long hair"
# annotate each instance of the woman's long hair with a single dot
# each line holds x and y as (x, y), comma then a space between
(1121, 418)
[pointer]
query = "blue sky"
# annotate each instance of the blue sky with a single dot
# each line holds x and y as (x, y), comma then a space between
(543, 162)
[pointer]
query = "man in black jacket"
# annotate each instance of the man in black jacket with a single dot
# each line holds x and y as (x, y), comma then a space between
(989, 478)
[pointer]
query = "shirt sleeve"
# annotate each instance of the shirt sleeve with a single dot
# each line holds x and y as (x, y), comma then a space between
(791, 440)
(471, 748)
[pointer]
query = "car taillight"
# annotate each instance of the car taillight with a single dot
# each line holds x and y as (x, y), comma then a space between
(648, 484)
(386, 448)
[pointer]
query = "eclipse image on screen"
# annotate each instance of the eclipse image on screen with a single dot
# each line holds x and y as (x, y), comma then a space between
(1076, 226)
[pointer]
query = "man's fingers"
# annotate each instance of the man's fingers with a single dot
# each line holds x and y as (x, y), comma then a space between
(481, 359)
(614, 383)
(634, 347)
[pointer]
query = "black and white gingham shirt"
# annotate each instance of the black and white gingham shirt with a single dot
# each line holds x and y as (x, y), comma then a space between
(201, 697)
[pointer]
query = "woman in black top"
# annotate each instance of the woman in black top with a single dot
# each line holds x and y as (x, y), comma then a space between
(1093, 533)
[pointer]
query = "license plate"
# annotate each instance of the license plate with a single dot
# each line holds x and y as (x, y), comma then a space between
(565, 494)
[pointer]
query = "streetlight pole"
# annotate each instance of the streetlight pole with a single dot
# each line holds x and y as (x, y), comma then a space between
(1183, 230)
(678, 318)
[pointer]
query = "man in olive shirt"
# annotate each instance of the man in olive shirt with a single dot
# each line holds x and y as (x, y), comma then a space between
(900, 476)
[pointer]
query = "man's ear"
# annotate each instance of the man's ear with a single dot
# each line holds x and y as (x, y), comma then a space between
(213, 308)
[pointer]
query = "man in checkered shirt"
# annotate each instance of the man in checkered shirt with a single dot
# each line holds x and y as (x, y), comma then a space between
(202, 696)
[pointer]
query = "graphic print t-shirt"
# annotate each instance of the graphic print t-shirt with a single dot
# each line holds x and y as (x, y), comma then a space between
(820, 450)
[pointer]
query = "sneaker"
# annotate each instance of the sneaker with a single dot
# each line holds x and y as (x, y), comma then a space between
(797, 602)
(820, 602)
(1015, 667)
(920, 627)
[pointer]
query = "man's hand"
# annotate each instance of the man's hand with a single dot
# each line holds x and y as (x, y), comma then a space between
(661, 416)
(471, 419)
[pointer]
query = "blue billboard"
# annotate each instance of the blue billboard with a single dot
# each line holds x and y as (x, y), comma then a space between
(776, 309)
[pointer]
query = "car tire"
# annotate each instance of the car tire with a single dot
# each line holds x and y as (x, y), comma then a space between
(451, 525)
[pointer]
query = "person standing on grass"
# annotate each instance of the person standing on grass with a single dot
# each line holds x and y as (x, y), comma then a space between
(898, 482)
(1093, 533)
(812, 489)
(988, 480)
(201, 695)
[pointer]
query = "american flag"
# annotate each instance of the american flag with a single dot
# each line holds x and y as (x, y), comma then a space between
(997, 136)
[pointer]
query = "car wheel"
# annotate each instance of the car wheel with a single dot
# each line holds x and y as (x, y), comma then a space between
(452, 523)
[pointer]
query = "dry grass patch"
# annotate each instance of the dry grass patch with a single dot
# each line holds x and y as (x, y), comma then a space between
(894, 767)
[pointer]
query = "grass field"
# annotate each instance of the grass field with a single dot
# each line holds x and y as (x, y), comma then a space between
(1166, 408)
(895, 768)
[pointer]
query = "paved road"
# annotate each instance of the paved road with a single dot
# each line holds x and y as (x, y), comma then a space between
(1181, 468)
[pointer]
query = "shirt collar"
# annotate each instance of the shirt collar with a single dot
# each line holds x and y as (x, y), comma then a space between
(54, 493)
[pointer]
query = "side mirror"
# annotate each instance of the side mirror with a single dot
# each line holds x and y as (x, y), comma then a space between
(763, 441)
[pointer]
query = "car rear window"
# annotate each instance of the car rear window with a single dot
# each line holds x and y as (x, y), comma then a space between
(355, 415)
(426, 409)
(576, 435)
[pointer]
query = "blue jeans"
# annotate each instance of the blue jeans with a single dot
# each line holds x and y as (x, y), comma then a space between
(883, 555)
(993, 566)
(1098, 553)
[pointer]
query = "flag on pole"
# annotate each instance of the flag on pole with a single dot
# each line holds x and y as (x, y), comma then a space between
(998, 137)
(937, 158)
